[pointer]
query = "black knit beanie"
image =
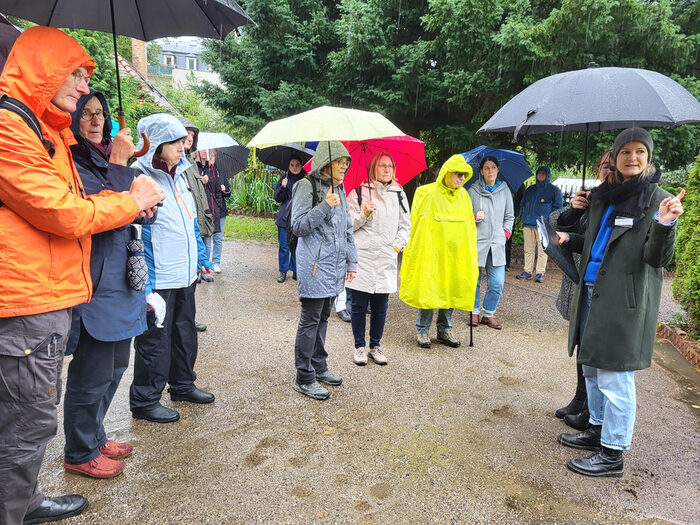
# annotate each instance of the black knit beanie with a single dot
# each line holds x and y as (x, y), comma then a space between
(632, 135)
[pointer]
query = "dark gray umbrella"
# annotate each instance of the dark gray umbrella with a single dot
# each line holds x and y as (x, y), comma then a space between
(279, 156)
(142, 19)
(596, 99)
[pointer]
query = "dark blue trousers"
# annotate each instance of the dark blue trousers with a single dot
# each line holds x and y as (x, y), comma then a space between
(166, 355)
(287, 260)
(358, 317)
(94, 374)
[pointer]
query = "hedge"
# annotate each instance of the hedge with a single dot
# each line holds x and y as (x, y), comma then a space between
(686, 283)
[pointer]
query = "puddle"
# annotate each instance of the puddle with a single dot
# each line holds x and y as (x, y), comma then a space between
(687, 378)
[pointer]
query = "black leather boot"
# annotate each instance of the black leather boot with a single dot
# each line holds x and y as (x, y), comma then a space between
(574, 407)
(589, 439)
(55, 509)
(607, 462)
(578, 421)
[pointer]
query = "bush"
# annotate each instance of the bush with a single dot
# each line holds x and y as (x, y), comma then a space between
(251, 193)
(686, 283)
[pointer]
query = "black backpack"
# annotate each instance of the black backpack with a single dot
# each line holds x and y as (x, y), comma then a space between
(292, 239)
(14, 105)
(399, 195)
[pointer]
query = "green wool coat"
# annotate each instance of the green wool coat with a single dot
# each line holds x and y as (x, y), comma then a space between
(621, 326)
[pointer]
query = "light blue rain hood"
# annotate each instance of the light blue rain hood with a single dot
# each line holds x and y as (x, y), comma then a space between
(160, 129)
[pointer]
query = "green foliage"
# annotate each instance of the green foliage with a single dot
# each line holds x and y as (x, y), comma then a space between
(686, 283)
(251, 193)
(247, 228)
(440, 69)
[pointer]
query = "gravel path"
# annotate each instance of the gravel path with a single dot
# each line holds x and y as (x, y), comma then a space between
(443, 435)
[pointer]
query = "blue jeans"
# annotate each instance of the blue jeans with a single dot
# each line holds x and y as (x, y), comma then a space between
(495, 277)
(287, 260)
(218, 243)
(425, 317)
(612, 400)
(377, 319)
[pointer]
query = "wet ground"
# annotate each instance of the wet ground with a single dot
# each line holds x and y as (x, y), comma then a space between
(440, 435)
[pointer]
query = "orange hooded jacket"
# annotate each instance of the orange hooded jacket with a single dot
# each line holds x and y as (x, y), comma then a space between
(46, 221)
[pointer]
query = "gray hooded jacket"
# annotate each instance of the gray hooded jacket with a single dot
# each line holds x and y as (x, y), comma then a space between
(325, 233)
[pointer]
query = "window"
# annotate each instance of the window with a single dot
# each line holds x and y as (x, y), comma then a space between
(169, 60)
(191, 63)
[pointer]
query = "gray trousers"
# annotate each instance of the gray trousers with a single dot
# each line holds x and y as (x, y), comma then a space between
(31, 358)
(310, 344)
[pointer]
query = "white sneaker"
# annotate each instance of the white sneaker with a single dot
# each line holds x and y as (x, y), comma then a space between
(377, 355)
(217, 268)
(360, 357)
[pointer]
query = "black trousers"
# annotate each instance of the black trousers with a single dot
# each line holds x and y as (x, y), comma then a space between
(166, 355)
(31, 359)
(309, 348)
(94, 374)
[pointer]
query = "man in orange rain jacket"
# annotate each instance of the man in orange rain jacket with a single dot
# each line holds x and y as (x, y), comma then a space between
(46, 223)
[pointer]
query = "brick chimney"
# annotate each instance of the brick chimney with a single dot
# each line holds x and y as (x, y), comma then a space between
(138, 56)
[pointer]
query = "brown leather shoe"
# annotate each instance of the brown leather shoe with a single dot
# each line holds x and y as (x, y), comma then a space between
(100, 467)
(114, 450)
(491, 322)
(474, 321)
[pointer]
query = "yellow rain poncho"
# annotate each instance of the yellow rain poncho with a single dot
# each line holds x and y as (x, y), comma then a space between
(439, 268)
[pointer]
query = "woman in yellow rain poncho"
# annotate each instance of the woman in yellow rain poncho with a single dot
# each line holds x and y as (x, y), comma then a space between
(439, 268)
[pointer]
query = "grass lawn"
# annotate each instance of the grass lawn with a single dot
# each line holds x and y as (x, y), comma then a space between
(249, 228)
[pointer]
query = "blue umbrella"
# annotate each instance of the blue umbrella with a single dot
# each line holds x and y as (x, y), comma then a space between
(512, 166)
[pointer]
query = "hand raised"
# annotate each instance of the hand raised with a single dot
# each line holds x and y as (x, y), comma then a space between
(332, 198)
(123, 147)
(671, 208)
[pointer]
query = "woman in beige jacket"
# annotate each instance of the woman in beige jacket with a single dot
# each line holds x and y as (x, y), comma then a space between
(382, 222)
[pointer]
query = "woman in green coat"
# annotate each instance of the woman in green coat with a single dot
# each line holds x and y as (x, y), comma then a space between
(628, 241)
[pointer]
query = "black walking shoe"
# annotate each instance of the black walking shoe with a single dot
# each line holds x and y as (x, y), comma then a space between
(197, 396)
(55, 509)
(589, 439)
(294, 275)
(313, 390)
(329, 378)
(344, 315)
(156, 414)
(578, 421)
(282, 277)
(607, 462)
(574, 407)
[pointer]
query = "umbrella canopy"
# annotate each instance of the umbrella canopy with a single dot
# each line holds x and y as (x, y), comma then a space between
(512, 166)
(279, 156)
(326, 123)
(596, 99)
(141, 19)
(408, 154)
(231, 156)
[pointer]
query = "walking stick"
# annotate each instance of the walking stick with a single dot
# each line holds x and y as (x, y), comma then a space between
(471, 331)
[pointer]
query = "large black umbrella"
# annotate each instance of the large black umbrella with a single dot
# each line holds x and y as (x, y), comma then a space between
(142, 19)
(279, 156)
(231, 156)
(596, 99)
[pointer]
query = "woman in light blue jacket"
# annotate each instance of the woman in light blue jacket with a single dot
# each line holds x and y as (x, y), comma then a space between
(174, 251)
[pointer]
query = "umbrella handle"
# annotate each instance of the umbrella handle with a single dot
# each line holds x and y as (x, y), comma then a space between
(146, 142)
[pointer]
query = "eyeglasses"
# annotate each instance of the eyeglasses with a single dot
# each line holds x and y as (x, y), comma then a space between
(386, 166)
(87, 115)
(342, 162)
(79, 76)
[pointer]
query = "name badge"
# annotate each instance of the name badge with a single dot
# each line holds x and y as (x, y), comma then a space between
(625, 222)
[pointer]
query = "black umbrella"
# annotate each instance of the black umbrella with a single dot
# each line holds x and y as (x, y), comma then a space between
(141, 19)
(279, 156)
(231, 156)
(596, 99)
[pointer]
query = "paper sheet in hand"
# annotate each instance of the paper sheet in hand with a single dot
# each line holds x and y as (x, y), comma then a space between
(560, 254)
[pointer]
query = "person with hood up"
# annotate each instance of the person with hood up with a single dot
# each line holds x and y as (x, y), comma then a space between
(440, 263)
(100, 348)
(540, 200)
(47, 222)
(382, 224)
(326, 260)
(493, 201)
(629, 238)
(175, 252)
(287, 261)
(196, 186)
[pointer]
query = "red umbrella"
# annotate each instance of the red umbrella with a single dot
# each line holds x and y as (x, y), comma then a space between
(408, 153)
